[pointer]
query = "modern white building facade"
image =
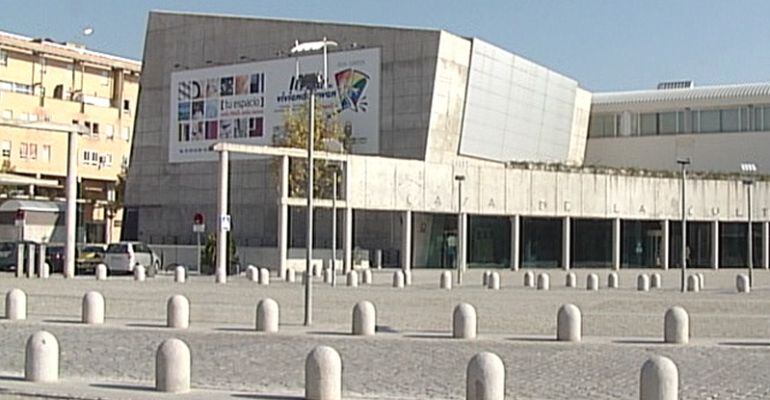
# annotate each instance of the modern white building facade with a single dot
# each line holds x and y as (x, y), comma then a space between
(446, 107)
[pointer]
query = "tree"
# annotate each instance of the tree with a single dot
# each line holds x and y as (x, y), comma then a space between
(295, 133)
(209, 254)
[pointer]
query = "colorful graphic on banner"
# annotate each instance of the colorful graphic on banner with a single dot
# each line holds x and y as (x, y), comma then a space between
(247, 103)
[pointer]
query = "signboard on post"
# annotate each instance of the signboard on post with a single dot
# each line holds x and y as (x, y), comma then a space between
(224, 222)
(247, 102)
(19, 218)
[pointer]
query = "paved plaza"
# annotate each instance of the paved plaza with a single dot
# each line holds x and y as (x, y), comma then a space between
(412, 356)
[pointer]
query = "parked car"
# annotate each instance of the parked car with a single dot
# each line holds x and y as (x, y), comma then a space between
(125, 256)
(8, 251)
(54, 256)
(90, 256)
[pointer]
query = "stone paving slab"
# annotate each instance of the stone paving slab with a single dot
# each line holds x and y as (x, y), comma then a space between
(412, 358)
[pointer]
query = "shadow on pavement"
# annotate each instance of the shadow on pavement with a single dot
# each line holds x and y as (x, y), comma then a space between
(267, 397)
(117, 386)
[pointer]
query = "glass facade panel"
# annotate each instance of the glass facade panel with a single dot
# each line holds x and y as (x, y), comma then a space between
(489, 241)
(648, 124)
(709, 121)
(766, 119)
(698, 244)
(730, 120)
(591, 243)
(541, 242)
(668, 123)
(640, 244)
(732, 245)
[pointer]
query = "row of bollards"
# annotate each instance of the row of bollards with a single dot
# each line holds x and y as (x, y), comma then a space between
(485, 373)
(464, 318)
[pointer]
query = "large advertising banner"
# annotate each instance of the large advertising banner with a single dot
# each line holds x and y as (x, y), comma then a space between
(247, 103)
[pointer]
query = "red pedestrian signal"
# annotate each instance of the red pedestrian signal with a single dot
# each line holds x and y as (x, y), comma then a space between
(198, 219)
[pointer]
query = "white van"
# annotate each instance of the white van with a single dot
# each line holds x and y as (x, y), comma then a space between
(125, 256)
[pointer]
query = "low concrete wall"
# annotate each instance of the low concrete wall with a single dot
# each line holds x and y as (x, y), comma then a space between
(258, 256)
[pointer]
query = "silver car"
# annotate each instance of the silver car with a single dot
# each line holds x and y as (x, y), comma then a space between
(125, 256)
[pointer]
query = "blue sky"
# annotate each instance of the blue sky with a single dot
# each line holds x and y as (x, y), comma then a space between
(604, 44)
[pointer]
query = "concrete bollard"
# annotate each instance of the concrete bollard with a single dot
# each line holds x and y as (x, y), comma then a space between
(485, 377)
(445, 281)
(464, 322)
(178, 312)
(352, 278)
(93, 308)
(180, 274)
(693, 283)
(494, 281)
(485, 278)
(268, 316)
(364, 319)
(252, 273)
(323, 374)
(172, 367)
(592, 282)
(398, 279)
(701, 280)
(742, 283)
(328, 275)
(676, 326)
(571, 280)
(366, 277)
(613, 280)
(529, 279)
(659, 379)
(317, 270)
(101, 272)
(543, 281)
(41, 358)
(569, 324)
(291, 275)
(45, 270)
(139, 273)
(408, 277)
(264, 276)
(16, 305)
(656, 281)
(643, 283)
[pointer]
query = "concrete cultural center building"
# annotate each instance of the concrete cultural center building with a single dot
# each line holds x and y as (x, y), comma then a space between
(547, 173)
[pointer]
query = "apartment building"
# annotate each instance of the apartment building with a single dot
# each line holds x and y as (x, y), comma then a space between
(45, 83)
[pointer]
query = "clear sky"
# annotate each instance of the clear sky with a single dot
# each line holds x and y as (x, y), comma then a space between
(604, 44)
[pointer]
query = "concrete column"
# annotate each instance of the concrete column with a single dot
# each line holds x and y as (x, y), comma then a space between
(283, 218)
(31, 260)
(515, 242)
(462, 243)
(71, 188)
(766, 245)
(224, 167)
(665, 248)
(406, 240)
(566, 242)
(715, 244)
(41, 261)
(616, 249)
(347, 245)
(20, 249)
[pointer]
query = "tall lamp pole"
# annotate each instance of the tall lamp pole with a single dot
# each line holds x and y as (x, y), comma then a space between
(460, 256)
(684, 162)
(749, 170)
(311, 83)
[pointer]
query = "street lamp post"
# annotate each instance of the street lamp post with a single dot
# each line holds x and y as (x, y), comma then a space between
(460, 256)
(749, 169)
(684, 162)
(310, 82)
